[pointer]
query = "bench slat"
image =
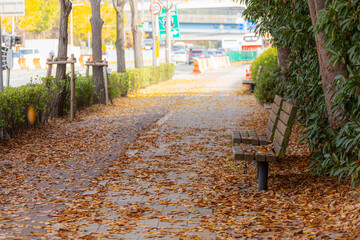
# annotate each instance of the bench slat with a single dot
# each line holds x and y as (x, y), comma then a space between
(253, 137)
(287, 119)
(284, 129)
(289, 108)
(273, 117)
(270, 156)
(278, 100)
(236, 137)
(281, 139)
(263, 140)
(238, 153)
(271, 127)
(245, 138)
(279, 150)
(260, 157)
(275, 108)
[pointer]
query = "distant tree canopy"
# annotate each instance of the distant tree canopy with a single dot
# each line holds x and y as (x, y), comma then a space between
(42, 16)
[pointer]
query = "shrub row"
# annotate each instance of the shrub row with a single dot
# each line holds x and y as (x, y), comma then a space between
(15, 102)
(134, 79)
(266, 81)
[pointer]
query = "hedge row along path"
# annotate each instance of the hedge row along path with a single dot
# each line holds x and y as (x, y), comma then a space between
(157, 165)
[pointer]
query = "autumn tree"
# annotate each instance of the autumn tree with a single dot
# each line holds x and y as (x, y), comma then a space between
(96, 26)
(120, 34)
(40, 16)
(137, 34)
(58, 99)
(328, 69)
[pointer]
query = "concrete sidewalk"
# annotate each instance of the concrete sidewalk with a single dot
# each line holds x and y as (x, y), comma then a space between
(162, 187)
(163, 184)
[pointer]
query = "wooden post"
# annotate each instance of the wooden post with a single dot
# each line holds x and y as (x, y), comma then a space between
(87, 68)
(49, 70)
(106, 83)
(72, 89)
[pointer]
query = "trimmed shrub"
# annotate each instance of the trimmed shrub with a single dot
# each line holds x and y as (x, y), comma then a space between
(134, 79)
(266, 82)
(15, 102)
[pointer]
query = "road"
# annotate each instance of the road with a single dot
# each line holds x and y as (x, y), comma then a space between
(20, 77)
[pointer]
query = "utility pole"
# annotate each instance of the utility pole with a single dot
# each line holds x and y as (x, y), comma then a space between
(1, 72)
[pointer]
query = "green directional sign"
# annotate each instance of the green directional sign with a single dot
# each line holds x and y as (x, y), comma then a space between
(174, 24)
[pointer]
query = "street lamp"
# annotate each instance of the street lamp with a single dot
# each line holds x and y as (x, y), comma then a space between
(72, 24)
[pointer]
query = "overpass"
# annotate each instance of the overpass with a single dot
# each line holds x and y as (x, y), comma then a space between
(204, 19)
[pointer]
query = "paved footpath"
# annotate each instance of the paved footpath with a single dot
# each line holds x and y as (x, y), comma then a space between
(163, 184)
(157, 189)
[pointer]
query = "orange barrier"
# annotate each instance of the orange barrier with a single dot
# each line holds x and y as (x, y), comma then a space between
(22, 63)
(36, 62)
(85, 57)
(248, 74)
(196, 66)
(227, 60)
(206, 64)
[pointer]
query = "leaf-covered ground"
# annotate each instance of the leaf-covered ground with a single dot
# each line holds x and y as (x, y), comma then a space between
(158, 165)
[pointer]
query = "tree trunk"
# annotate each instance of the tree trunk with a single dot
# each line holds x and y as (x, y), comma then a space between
(168, 33)
(96, 26)
(328, 71)
(137, 34)
(59, 96)
(120, 35)
(283, 56)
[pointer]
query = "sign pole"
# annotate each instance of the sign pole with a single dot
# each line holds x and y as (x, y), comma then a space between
(153, 37)
(1, 72)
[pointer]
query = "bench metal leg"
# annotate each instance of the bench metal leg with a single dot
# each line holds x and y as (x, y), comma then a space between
(263, 168)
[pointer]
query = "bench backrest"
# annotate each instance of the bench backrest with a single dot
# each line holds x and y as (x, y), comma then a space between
(283, 128)
(274, 117)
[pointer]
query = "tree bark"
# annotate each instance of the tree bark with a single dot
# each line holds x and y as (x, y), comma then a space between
(137, 34)
(59, 96)
(66, 7)
(283, 56)
(98, 74)
(120, 35)
(328, 71)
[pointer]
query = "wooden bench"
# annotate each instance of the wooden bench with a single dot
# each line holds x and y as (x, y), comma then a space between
(251, 83)
(272, 152)
(256, 138)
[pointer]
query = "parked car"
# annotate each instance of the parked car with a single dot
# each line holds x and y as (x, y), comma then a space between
(147, 44)
(215, 53)
(180, 56)
(197, 53)
(29, 53)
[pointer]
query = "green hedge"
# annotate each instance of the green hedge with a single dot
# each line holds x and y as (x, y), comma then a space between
(134, 79)
(15, 102)
(266, 83)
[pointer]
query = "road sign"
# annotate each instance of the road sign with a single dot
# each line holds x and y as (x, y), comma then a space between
(174, 23)
(12, 8)
(155, 8)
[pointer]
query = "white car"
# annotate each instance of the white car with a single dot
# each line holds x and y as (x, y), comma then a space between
(179, 57)
(29, 53)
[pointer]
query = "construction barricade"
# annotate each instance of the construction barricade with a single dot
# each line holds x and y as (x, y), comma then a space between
(207, 64)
